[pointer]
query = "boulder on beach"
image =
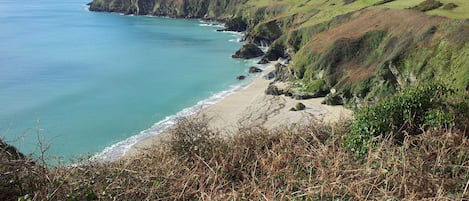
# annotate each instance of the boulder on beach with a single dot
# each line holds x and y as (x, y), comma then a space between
(248, 51)
(254, 69)
(273, 90)
(298, 107)
(270, 75)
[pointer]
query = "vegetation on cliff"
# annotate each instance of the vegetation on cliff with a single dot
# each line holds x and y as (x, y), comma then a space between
(360, 50)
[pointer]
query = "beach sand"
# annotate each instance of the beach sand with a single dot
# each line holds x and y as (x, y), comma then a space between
(252, 107)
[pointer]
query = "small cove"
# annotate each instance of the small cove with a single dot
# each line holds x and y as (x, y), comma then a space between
(83, 81)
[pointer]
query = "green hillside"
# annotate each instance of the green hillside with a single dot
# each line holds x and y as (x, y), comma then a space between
(360, 49)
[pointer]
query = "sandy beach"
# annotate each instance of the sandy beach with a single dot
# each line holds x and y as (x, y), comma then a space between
(252, 107)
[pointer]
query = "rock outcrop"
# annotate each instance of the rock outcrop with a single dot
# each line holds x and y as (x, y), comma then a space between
(248, 51)
(254, 69)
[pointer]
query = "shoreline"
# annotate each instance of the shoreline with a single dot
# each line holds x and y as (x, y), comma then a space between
(118, 150)
(250, 107)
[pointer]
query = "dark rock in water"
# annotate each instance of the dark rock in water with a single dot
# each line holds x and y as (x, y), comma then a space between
(248, 51)
(241, 77)
(254, 69)
(89, 4)
(273, 90)
(263, 61)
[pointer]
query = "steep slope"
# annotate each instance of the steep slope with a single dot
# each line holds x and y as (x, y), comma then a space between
(356, 49)
(384, 55)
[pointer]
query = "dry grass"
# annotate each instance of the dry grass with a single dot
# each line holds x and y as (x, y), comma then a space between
(300, 163)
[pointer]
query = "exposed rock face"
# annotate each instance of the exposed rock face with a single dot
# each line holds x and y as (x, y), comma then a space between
(235, 24)
(275, 51)
(264, 33)
(248, 51)
(283, 73)
(207, 9)
(383, 55)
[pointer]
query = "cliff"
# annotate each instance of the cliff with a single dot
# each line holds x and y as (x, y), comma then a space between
(351, 51)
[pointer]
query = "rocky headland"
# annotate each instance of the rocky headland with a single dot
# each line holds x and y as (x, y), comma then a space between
(349, 52)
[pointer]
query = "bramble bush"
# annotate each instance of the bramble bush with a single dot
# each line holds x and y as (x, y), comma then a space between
(405, 113)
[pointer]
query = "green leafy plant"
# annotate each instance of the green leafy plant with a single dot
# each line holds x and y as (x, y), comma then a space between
(404, 113)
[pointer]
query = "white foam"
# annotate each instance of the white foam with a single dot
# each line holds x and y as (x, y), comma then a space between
(86, 7)
(119, 149)
(211, 25)
(235, 40)
(234, 33)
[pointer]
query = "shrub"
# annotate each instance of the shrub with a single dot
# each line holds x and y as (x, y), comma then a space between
(193, 137)
(404, 113)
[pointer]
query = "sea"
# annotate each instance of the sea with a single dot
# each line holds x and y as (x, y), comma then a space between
(75, 83)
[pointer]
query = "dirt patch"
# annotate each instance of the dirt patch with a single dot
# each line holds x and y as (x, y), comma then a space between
(404, 22)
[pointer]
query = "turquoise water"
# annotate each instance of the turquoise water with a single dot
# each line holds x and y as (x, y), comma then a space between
(83, 81)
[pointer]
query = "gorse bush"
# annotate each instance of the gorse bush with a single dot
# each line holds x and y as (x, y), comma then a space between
(404, 113)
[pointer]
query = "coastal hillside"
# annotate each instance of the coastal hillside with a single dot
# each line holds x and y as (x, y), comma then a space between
(403, 65)
(352, 51)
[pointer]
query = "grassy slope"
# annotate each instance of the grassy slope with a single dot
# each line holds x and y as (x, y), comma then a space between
(414, 48)
(420, 60)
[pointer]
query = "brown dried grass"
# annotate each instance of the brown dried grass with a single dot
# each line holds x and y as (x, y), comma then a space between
(294, 163)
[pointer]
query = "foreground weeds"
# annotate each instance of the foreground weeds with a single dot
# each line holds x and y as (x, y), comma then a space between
(295, 163)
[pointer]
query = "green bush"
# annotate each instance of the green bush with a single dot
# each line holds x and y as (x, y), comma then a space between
(404, 113)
